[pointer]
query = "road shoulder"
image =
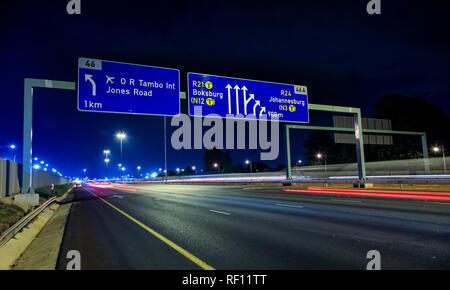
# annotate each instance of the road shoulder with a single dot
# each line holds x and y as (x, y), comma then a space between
(42, 253)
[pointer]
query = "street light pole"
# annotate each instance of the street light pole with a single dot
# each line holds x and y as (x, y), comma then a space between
(165, 150)
(248, 162)
(121, 136)
(217, 165)
(107, 161)
(319, 156)
(437, 149)
(443, 158)
(106, 152)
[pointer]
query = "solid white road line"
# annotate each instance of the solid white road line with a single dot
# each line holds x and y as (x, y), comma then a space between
(221, 212)
(288, 205)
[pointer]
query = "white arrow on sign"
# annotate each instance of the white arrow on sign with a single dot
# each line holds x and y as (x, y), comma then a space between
(246, 101)
(229, 98)
(89, 78)
(257, 104)
(263, 109)
(236, 87)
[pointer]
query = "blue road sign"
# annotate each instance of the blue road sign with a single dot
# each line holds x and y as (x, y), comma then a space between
(114, 87)
(238, 98)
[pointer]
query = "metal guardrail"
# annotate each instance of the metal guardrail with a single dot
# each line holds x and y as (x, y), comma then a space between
(17, 227)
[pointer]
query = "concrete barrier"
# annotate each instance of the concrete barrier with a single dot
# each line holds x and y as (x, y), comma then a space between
(413, 167)
(11, 178)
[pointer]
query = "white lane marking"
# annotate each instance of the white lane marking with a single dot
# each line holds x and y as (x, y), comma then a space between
(288, 205)
(253, 188)
(221, 212)
(343, 200)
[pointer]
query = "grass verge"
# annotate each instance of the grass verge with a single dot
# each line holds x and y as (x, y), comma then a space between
(9, 215)
(46, 191)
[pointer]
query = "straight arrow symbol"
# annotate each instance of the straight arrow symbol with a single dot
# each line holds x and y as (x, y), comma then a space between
(236, 87)
(229, 98)
(89, 78)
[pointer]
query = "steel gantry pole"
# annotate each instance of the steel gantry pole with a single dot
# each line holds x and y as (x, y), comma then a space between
(356, 112)
(29, 85)
(288, 153)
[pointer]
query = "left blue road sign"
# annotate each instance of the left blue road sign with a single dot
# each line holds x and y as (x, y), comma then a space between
(115, 87)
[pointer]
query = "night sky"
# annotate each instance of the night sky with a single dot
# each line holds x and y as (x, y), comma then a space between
(343, 55)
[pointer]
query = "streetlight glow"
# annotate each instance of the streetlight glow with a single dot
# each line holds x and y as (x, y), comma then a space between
(121, 135)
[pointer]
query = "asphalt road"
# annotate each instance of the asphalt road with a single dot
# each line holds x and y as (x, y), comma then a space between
(236, 227)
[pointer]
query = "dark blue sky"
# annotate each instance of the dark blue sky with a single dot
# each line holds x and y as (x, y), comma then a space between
(345, 57)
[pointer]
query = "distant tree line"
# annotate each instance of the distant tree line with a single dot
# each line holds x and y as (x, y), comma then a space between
(407, 114)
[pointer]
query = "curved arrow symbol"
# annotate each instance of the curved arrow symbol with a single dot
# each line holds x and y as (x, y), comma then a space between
(257, 104)
(246, 101)
(89, 78)
(263, 109)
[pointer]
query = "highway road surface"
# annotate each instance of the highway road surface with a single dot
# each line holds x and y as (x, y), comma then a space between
(157, 226)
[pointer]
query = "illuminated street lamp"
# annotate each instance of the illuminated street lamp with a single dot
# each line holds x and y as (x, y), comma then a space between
(437, 149)
(121, 136)
(13, 147)
(217, 165)
(107, 162)
(320, 156)
(138, 169)
(299, 162)
(248, 162)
